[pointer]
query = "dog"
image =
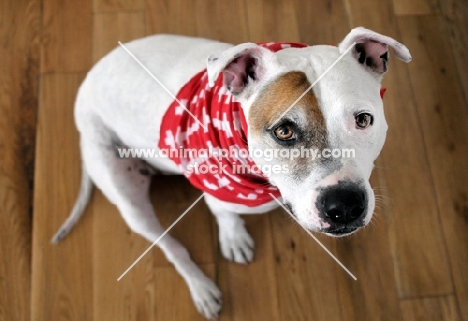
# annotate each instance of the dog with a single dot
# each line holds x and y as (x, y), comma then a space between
(265, 102)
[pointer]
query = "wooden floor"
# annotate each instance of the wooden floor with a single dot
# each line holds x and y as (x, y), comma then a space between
(411, 263)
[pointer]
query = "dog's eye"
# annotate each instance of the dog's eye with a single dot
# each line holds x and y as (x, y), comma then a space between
(284, 132)
(363, 120)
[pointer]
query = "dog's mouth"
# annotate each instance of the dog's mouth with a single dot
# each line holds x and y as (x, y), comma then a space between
(337, 232)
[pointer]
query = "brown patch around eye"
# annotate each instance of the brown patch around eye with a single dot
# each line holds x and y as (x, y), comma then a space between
(270, 104)
(278, 97)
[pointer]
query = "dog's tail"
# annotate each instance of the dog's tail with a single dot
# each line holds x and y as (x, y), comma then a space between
(78, 209)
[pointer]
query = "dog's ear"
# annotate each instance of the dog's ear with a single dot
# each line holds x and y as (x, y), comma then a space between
(242, 66)
(371, 49)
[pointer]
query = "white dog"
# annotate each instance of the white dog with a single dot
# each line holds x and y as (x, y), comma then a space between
(251, 96)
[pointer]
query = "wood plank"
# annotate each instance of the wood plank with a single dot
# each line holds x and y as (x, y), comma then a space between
(66, 38)
(171, 16)
(367, 254)
(62, 279)
(322, 21)
(306, 275)
(420, 258)
(100, 6)
(114, 250)
(224, 286)
(430, 309)
(440, 100)
(455, 13)
(19, 66)
(451, 176)
(272, 21)
(402, 7)
(110, 28)
(443, 114)
(376, 16)
(252, 287)
(224, 21)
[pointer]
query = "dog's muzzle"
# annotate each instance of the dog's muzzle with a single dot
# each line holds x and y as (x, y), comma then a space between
(343, 206)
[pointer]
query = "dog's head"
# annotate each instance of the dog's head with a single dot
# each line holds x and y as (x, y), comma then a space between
(318, 145)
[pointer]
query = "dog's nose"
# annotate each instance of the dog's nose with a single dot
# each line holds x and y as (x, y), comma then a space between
(342, 204)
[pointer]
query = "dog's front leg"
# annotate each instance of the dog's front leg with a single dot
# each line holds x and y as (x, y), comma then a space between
(235, 242)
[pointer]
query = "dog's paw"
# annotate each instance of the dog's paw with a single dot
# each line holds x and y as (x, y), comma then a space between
(206, 296)
(237, 245)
